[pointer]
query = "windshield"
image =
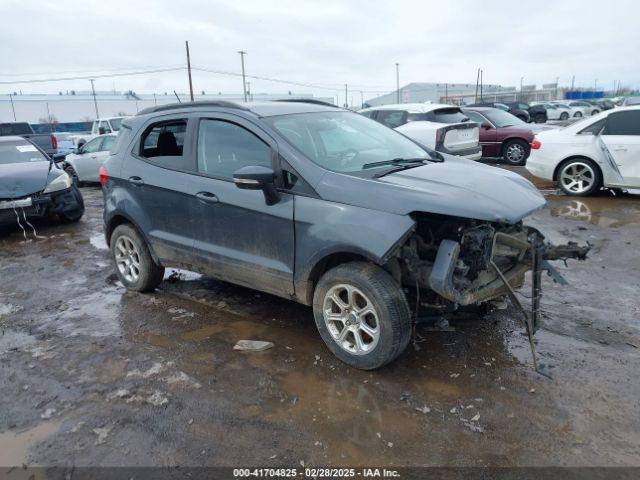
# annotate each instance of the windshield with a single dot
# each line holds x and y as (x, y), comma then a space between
(501, 106)
(500, 118)
(20, 152)
(633, 101)
(345, 141)
(115, 124)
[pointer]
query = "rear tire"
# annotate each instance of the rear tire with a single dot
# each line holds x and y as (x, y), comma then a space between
(579, 177)
(132, 260)
(540, 118)
(362, 315)
(577, 115)
(595, 112)
(515, 152)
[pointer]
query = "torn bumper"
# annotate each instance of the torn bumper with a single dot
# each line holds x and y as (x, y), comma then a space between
(529, 250)
(64, 202)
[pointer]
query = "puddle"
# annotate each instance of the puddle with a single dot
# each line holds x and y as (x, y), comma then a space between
(610, 212)
(14, 447)
(98, 241)
(10, 340)
(7, 308)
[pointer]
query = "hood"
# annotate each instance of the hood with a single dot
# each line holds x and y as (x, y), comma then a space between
(525, 130)
(22, 179)
(456, 187)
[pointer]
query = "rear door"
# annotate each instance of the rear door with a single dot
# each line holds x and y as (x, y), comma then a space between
(101, 156)
(161, 193)
(239, 237)
(621, 136)
(460, 133)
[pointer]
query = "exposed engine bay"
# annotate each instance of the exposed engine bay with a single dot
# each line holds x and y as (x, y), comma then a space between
(452, 262)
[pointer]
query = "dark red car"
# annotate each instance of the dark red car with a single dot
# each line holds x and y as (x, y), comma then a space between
(502, 134)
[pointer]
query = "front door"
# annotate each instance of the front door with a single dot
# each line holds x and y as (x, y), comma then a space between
(86, 161)
(240, 238)
(621, 136)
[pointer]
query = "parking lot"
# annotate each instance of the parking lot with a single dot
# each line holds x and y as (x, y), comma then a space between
(93, 375)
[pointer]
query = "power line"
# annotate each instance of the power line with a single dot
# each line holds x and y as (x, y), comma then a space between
(96, 71)
(89, 77)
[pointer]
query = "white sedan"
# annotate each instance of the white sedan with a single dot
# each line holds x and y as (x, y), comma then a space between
(441, 127)
(599, 151)
(556, 111)
(84, 164)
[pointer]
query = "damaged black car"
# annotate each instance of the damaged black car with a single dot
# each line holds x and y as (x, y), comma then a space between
(33, 186)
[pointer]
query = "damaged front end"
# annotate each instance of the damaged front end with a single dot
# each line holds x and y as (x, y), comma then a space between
(455, 262)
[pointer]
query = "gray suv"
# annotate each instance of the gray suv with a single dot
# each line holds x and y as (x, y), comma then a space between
(322, 206)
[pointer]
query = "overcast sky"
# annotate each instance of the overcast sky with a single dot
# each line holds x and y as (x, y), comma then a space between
(325, 43)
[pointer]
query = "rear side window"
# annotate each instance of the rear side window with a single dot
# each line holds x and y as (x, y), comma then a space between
(594, 128)
(7, 129)
(392, 118)
(623, 123)
(92, 146)
(224, 147)
(107, 143)
(447, 115)
(165, 139)
(122, 140)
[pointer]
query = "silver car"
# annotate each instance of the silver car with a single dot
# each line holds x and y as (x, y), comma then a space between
(84, 163)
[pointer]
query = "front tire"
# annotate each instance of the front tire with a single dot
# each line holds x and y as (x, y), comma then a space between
(577, 115)
(540, 118)
(132, 260)
(362, 315)
(74, 212)
(73, 174)
(579, 177)
(515, 152)
(564, 116)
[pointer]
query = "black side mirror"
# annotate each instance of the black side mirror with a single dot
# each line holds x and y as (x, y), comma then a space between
(78, 150)
(486, 125)
(101, 130)
(257, 177)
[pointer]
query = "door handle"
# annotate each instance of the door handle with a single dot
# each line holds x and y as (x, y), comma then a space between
(619, 149)
(207, 197)
(136, 181)
(93, 156)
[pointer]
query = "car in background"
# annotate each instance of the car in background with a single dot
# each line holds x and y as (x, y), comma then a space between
(605, 104)
(443, 128)
(100, 126)
(555, 111)
(596, 152)
(631, 101)
(579, 108)
(502, 134)
(537, 113)
(34, 186)
(322, 206)
(521, 114)
(46, 142)
(84, 163)
(66, 145)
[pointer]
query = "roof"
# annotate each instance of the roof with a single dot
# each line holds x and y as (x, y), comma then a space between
(480, 109)
(262, 109)
(13, 138)
(412, 107)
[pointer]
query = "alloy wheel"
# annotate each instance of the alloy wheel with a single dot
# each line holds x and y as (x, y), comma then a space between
(577, 177)
(351, 319)
(515, 153)
(127, 258)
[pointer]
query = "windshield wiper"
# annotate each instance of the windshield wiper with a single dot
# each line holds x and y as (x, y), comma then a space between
(395, 161)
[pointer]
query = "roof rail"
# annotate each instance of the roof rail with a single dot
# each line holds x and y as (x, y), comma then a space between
(307, 100)
(175, 106)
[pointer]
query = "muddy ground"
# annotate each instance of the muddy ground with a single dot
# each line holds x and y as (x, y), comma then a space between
(93, 375)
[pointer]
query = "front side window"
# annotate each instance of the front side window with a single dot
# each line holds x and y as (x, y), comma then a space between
(502, 119)
(623, 123)
(105, 126)
(447, 115)
(92, 146)
(594, 129)
(344, 141)
(475, 116)
(391, 118)
(224, 147)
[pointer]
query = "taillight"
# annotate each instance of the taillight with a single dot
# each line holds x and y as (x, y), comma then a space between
(535, 145)
(103, 176)
(440, 135)
(54, 142)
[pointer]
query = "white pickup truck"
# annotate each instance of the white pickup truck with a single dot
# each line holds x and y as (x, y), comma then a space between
(101, 126)
(441, 127)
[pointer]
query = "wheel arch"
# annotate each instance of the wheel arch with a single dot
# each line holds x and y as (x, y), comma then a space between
(510, 139)
(120, 218)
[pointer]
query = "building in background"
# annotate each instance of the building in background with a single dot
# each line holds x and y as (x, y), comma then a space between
(80, 107)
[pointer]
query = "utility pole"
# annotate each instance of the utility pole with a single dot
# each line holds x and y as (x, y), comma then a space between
(361, 99)
(481, 81)
(573, 80)
(446, 93)
(95, 102)
(189, 70)
(249, 90)
(556, 94)
(155, 101)
(521, 79)
(477, 84)
(397, 82)
(346, 97)
(595, 85)
(13, 108)
(244, 80)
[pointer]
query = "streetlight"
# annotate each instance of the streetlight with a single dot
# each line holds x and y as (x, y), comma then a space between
(521, 79)
(244, 82)
(398, 82)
